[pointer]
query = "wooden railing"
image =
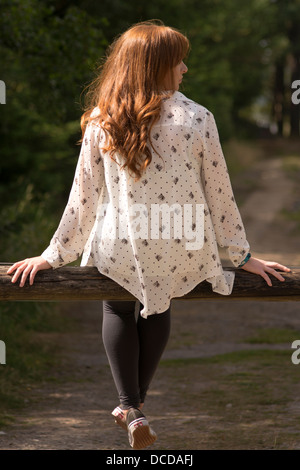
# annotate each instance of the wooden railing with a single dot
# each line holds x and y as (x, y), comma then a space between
(86, 283)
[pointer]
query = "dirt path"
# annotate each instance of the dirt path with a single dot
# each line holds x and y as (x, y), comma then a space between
(71, 409)
(268, 231)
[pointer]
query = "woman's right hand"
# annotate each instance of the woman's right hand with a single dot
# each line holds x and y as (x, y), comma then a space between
(28, 267)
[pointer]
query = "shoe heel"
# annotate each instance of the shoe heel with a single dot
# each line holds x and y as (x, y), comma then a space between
(140, 434)
(119, 417)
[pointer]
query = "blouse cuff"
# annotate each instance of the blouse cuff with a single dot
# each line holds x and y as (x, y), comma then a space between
(245, 260)
(51, 257)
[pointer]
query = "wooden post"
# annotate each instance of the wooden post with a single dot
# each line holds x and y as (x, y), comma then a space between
(86, 283)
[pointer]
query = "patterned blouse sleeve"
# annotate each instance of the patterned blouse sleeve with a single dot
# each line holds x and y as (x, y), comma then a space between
(226, 218)
(77, 221)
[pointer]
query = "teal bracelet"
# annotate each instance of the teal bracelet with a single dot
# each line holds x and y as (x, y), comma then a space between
(245, 260)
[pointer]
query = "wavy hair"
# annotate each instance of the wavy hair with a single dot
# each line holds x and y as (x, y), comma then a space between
(128, 90)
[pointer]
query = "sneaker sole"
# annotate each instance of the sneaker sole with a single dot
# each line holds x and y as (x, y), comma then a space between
(140, 434)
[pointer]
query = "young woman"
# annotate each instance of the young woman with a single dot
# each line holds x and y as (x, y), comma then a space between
(150, 203)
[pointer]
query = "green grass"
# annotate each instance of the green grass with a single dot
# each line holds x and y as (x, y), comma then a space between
(248, 376)
(292, 214)
(291, 165)
(29, 358)
(233, 357)
(274, 336)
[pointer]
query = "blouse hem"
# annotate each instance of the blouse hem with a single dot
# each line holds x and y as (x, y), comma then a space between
(221, 282)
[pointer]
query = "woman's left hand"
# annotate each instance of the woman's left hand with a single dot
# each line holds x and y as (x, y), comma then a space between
(263, 268)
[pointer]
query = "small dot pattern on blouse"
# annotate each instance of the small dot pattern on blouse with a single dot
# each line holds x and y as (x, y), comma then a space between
(107, 208)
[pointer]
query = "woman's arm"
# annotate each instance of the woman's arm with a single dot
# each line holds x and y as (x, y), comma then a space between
(225, 215)
(229, 228)
(79, 215)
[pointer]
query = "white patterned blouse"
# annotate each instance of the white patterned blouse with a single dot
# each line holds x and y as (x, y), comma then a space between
(157, 237)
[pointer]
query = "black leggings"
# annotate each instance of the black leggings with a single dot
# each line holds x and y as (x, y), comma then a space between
(133, 347)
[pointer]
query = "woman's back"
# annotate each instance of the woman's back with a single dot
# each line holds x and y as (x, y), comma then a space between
(157, 236)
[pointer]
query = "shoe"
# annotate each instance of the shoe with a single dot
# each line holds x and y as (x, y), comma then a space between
(120, 418)
(140, 434)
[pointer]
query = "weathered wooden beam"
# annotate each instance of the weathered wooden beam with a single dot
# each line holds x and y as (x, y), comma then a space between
(86, 283)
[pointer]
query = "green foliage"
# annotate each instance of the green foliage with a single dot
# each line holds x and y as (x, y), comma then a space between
(227, 59)
(48, 57)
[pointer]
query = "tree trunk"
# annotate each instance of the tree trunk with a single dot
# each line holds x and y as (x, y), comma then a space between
(278, 101)
(295, 108)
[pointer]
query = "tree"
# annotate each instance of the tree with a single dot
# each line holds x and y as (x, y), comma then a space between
(284, 61)
(47, 55)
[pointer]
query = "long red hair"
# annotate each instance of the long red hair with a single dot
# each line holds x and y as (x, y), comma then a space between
(128, 90)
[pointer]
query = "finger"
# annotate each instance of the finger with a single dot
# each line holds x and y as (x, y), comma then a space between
(276, 274)
(19, 270)
(11, 269)
(25, 275)
(32, 275)
(14, 267)
(283, 268)
(279, 266)
(266, 278)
